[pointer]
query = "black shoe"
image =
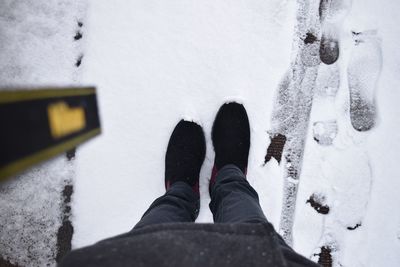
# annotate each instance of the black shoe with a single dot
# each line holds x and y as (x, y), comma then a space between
(231, 137)
(185, 155)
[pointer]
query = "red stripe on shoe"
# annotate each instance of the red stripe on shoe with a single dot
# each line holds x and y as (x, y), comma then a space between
(196, 188)
(213, 175)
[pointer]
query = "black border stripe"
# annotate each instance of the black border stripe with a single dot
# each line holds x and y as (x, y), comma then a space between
(45, 154)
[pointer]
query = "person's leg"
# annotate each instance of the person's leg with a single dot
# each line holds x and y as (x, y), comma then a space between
(233, 200)
(179, 204)
(183, 160)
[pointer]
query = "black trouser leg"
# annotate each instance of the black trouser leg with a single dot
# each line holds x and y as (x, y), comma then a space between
(178, 204)
(233, 200)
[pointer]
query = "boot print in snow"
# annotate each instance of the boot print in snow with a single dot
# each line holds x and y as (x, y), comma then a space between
(363, 74)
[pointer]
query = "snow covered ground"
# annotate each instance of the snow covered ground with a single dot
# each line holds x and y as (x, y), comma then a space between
(37, 48)
(357, 173)
(155, 62)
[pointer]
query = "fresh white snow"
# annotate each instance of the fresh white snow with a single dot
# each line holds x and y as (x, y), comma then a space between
(155, 63)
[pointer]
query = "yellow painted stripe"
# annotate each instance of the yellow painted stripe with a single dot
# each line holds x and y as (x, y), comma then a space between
(24, 163)
(8, 96)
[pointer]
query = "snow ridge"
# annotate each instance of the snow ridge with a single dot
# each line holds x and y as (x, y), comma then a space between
(293, 106)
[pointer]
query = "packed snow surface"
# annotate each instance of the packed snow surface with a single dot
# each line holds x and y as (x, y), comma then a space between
(37, 48)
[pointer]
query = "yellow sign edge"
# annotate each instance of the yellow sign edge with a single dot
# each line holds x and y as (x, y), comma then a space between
(24, 163)
(34, 94)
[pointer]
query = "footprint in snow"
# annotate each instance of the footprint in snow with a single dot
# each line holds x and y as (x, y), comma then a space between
(332, 14)
(325, 126)
(363, 71)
